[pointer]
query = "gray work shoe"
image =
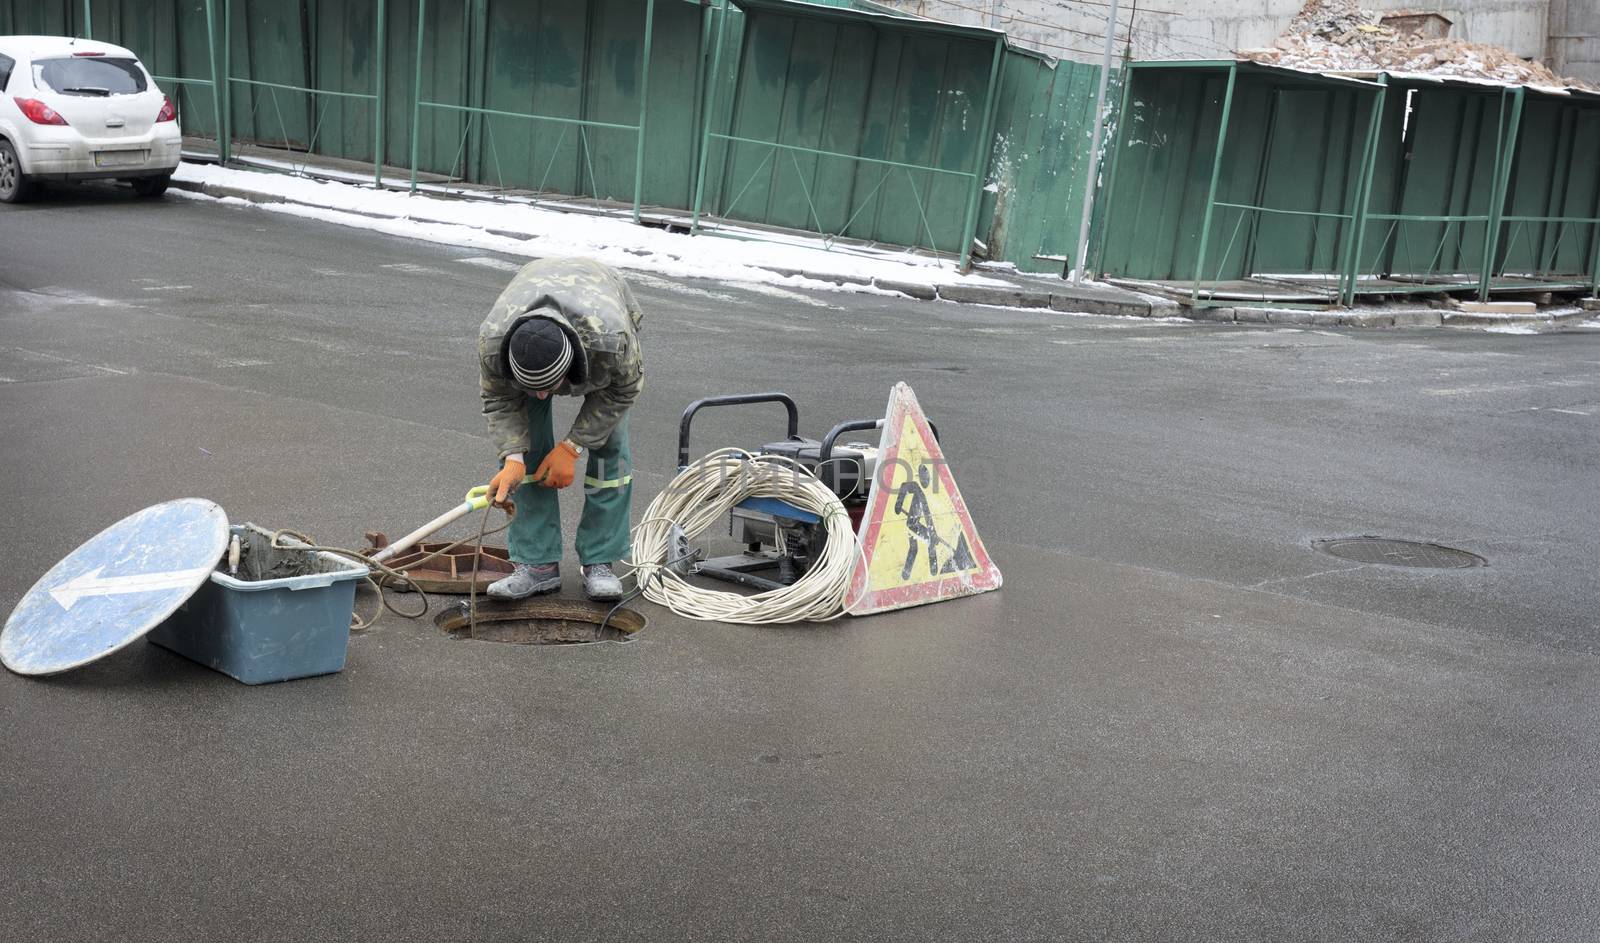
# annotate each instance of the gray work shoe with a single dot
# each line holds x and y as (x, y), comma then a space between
(527, 580)
(599, 583)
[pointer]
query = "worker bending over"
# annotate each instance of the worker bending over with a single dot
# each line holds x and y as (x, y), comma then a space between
(567, 327)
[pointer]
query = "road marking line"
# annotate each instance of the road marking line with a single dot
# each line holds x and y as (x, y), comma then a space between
(1506, 387)
(698, 292)
(761, 288)
(60, 359)
(490, 262)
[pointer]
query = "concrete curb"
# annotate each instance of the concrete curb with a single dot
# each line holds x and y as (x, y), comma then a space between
(1481, 321)
(1095, 299)
(1385, 319)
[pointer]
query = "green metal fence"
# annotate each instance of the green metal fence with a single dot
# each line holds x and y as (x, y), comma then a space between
(292, 107)
(33, 18)
(850, 123)
(1249, 184)
(1436, 180)
(1225, 172)
(1033, 190)
(581, 127)
(840, 117)
(1551, 225)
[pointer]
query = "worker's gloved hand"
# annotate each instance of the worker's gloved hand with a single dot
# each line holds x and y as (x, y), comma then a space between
(506, 480)
(559, 467)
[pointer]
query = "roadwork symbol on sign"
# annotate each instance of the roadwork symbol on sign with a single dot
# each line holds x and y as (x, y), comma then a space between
(917, 539)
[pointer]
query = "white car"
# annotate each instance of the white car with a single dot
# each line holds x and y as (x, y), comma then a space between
(73, 109)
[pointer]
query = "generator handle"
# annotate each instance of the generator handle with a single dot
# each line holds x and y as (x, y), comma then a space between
(735, 399)
(825, 454)
(855, 425)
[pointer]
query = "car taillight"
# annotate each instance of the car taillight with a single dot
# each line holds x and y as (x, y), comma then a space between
(38, 112)
(167, 112)
(80, 54)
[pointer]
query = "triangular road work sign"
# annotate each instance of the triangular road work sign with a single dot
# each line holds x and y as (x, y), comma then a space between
(917, 539)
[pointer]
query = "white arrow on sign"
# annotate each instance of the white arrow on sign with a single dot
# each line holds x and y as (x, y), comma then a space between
(91, 584)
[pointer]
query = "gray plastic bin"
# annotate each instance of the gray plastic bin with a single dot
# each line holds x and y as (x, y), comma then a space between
(286, 615)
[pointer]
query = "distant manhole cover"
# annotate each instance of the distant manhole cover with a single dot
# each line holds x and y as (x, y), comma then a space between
(541, 621)
(1387, 552)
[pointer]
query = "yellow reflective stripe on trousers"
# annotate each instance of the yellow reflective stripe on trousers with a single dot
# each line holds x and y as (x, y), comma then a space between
(608, 482)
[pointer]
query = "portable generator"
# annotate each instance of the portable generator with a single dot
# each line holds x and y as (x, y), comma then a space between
(781, 540)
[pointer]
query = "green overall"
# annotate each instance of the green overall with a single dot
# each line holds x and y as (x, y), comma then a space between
(603, 535)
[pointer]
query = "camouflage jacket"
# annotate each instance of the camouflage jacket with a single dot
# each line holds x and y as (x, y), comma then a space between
(596, 308)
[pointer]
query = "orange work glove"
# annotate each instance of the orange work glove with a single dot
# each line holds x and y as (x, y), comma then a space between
(559, 467)
(506, 480)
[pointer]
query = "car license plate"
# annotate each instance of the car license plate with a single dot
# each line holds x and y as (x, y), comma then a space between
(119, 158)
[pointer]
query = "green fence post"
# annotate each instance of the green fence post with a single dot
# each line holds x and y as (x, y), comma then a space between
(378, 104)
(710, 116)
(1488, 225)
(416, 95)
(216, 87)
(1211, 191)
(1498, 189)
(225, 146)
(980, 161)
(1369, 159)
(644, 100)
(88, 21)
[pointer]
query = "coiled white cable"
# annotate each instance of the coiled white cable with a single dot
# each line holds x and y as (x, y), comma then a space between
(702, 494)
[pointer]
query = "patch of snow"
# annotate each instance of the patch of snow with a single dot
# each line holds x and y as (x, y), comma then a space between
(523, 229)
(1511, 329)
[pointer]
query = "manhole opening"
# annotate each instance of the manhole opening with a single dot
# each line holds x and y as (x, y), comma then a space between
(1385, 551)
(547, 621)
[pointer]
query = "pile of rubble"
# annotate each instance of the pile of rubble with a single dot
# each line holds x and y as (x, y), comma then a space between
(1339, 36)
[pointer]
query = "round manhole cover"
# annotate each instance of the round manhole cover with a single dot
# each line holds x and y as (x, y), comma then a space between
(1388, 552)
(541, 621)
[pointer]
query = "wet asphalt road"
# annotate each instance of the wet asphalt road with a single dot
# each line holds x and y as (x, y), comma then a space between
(1177, 721)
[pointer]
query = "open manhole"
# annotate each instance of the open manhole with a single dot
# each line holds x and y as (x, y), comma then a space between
(545, 620)
(1388, 552)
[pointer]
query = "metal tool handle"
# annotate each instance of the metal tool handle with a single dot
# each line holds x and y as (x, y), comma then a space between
(737, 399)
(476, 500)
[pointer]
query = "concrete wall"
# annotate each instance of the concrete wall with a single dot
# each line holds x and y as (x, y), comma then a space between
(1214, 28)
(1575, 38)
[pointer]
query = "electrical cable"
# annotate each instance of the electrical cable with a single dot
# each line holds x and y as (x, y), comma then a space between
(638, 590)
(477, 557)
(358, 624)
(702, 494)
(388, 574)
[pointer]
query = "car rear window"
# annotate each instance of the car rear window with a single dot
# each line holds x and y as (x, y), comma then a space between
(6, 62)
(89, 75)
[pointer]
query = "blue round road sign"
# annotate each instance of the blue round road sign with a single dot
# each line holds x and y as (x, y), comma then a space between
(115, 588)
